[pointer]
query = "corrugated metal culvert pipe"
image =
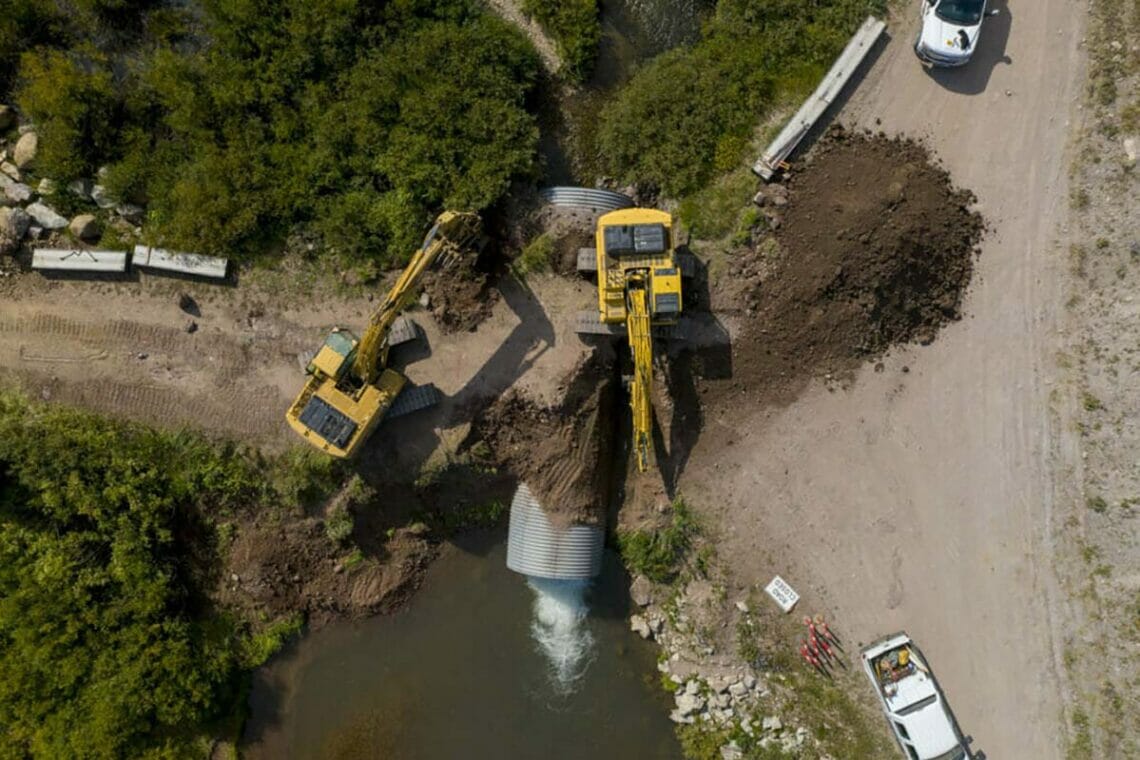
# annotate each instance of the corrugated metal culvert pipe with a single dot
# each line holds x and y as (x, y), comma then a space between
(559, 564)
(537, 548)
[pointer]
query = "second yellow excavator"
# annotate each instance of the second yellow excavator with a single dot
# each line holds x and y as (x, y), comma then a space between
(639, 284)
(350, 387)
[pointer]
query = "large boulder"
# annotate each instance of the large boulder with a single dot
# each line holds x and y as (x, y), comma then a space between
(7, 117)
(26, 148)
(46, 216)
(85, 227)
(13, 226)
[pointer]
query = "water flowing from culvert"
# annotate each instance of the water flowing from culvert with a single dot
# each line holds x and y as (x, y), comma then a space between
(459, 673)
(559, 628)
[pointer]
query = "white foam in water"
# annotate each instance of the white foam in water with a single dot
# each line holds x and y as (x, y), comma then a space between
(559, 628)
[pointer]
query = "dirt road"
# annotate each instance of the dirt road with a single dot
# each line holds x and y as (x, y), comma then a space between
(122, 348)
(921, 497)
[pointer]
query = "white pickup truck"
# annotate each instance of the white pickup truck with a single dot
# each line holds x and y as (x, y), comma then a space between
(950, 30)
(915, 707)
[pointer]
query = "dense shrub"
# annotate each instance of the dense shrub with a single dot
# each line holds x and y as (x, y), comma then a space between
(107, 645)
(575, 28)
(72, 101)
(357, 119)
(689, 114)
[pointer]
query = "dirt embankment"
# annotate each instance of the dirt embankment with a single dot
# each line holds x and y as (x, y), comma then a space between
(276, 568)
(873, 247)
(563, 453)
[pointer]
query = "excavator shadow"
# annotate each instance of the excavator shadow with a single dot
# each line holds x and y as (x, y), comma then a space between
(704, 351)
(402, 447)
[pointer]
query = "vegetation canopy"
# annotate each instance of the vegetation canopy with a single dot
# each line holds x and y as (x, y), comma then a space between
(244, 121)
(108, 644)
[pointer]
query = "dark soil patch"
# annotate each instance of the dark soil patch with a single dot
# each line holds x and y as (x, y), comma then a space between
(462, 297)
(874, 248)
(562, 453)
(281, 567)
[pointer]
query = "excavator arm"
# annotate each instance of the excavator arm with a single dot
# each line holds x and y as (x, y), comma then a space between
(638, 327)
(452, 232)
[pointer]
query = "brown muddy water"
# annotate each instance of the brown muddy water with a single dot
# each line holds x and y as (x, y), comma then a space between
(481, 664)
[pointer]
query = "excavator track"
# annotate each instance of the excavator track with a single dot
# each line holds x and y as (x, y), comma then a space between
(413, 399)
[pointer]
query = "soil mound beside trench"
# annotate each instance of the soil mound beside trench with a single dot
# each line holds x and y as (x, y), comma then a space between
(562, 453)
(461, 297)
(874, 247)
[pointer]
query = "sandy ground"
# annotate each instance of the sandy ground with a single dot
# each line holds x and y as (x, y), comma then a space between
(921, 498)
(121, 348)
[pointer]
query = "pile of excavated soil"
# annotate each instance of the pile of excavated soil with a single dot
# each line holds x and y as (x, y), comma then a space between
(462, 297)
(874, 247)
(562, 453)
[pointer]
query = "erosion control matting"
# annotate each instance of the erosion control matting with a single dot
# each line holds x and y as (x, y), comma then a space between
(562, 453)
(873, 247)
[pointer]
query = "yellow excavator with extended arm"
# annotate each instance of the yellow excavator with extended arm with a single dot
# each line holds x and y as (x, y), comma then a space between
(639, 284)
(350, 388)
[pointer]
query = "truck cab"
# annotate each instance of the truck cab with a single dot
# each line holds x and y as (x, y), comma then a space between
(950, 30)
(915, 708)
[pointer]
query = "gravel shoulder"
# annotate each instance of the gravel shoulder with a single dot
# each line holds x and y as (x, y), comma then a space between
(920, 496)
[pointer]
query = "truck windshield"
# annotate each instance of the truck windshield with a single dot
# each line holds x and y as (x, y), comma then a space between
(961, 12)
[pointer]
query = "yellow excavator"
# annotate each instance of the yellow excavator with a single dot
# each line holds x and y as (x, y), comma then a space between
(639, 285)
(350, 388)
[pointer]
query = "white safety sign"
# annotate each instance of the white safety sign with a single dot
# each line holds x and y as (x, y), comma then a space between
(784, 594)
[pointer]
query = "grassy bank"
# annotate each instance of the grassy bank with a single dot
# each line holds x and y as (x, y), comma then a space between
(574, 26)
(689, 115)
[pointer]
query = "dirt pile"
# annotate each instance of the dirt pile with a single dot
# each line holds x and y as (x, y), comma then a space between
(873, 247)
(462, 295)
(562, 453)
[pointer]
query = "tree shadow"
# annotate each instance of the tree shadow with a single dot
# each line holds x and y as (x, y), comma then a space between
(973, 78)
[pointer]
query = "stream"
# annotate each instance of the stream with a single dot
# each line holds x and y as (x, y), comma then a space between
(483, 663)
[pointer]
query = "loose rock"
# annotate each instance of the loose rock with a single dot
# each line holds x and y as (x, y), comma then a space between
(24, 155)
(14, 224)
(640, 626)
(85, 227)
(46, 216)
(13, 191)
(641, 591)
(772, 723)
(10, 169)
(101, 198)
(7, 117)
(47, 186)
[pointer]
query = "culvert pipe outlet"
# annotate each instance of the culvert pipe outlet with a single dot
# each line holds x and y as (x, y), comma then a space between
(538, 548)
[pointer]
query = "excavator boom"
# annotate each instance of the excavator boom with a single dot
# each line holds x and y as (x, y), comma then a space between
(452, 232)
(350, 387)
(637, 323)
